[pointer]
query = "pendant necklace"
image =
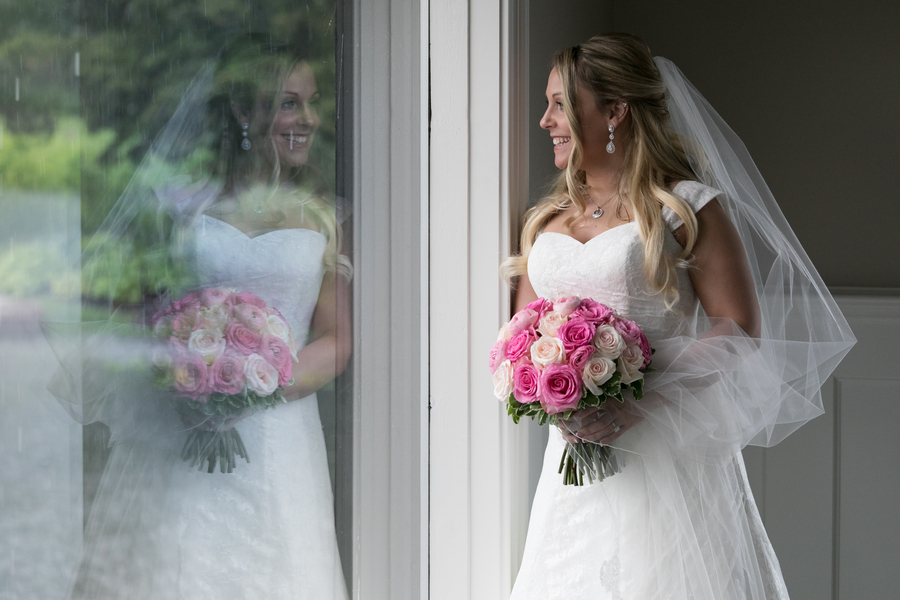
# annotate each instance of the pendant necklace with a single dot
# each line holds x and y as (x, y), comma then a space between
(599, 211)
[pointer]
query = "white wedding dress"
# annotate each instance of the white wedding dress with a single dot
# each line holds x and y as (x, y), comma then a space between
(648, 532)
(160, 529)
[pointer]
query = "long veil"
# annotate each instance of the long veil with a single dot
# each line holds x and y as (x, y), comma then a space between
(715, 390)
(105, 374)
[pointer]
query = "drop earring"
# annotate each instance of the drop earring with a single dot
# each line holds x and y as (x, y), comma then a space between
(610, 147)
(245, 144)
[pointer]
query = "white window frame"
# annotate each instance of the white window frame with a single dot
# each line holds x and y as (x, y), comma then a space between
(390, 178)
(478, 189)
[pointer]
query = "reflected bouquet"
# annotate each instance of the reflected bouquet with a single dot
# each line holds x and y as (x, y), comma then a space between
(554, 358)
(223, 354)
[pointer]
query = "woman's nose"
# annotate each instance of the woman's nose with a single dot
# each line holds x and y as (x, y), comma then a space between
(545, 121)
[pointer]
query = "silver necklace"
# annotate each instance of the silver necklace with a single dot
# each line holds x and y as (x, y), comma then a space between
(599, 211)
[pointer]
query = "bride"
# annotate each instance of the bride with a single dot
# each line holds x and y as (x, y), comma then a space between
(660, 214)
(259, 222)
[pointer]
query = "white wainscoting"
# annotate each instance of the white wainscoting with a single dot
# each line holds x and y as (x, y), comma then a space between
(829, 493)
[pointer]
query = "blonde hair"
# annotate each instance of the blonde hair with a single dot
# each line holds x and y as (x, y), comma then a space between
(613, 67)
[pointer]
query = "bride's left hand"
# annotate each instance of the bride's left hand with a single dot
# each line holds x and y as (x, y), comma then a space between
(599, 425)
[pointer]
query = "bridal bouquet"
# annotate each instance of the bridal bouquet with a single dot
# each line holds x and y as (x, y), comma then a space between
(223, 354)
(554, 358)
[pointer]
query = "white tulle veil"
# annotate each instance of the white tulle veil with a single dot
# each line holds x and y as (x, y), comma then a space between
(715, 390)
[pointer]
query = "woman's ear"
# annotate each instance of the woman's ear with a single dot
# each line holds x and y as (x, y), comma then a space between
(241, 114)
(617, 112)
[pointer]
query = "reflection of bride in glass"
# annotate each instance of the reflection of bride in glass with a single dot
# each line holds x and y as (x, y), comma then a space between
(258, 221)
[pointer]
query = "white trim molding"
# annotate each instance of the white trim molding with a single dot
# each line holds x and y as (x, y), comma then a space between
(390, 172)
(478, 180)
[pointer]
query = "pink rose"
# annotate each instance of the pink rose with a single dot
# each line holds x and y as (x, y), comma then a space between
(566, 304)
(631, 333)
(540, 306)
(183, 325)
(214, 296)
(593, 312)
(250, 315)
(191, 376)
(575, 333)
(498, 354)
(227, 375)
(277, 353)
(560, 388)
(246, 298)
(580, 356)
(189, 302)
(527, 383)
(243, 339)
(520, 344)
(522, 320)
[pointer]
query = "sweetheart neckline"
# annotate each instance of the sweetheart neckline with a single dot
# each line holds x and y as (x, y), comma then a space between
(256, 237)
(579, 242)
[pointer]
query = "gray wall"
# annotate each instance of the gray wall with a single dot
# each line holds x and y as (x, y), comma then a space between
(553, 25)
(813, 89)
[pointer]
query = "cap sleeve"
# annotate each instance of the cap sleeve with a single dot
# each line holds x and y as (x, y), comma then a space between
(695, 194)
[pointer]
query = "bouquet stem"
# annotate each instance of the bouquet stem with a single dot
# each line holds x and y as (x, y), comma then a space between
(207, 448)
(586, 459)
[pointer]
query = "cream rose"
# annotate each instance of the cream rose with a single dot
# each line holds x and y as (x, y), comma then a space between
(213, 317)
(262, 377)
(276, 326)
(208, 343)
(547, 350)
(608, 341)
(503, 381)
(630, 362)
(551, 322)
(597, 371)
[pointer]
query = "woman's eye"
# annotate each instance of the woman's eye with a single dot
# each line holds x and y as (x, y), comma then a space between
(559, 105)
(289, 105)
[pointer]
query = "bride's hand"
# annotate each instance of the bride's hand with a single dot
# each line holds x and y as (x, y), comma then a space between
(599, 425)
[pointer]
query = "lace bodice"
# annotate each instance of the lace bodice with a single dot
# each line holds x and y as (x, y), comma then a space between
(283, 267)
(610, 268)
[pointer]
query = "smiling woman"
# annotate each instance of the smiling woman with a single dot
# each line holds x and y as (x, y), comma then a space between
(659, 214)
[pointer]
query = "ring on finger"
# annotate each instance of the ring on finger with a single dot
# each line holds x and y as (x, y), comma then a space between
(615, 427)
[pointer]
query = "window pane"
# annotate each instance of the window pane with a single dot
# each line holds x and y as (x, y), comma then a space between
(175, 311)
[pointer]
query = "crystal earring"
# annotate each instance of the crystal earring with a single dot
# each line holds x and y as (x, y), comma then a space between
(245, 144)
(610, 147)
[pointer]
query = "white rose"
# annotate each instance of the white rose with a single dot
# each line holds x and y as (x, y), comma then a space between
(629, 364)
(551, 322)
(597, 371)
(608, 342)
(262, 378)
(276, 326)
(503, 381)
(547, 350)
(208, 343)
(213, 317)
(504, 333)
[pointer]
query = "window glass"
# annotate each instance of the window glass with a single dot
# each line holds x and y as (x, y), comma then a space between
(175, 310)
